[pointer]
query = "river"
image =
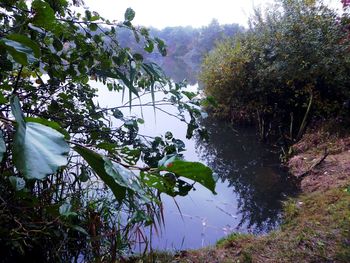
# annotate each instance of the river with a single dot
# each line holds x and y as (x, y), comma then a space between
(250, 182)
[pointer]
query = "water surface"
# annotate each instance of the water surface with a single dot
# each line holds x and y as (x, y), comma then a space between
(250, 182)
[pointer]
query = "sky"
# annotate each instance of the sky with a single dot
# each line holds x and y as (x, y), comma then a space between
(196, 13)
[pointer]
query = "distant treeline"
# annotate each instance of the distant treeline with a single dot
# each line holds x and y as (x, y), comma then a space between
(186, 46)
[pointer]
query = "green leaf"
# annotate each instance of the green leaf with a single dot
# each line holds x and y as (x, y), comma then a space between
(17, 183)
(44, 15)
(154, 71)
(115, 176)
(161, 46)
(65, 210)
(52, 124)
(157, 182)
(149, 46)
(93, 26)
(2, 146)
(118, 75)
(209, 101)
(57, 44)
(21, 53)
(129, 14)
(195, 171)
(189, 95)
(84, 175)
(138, 57)
(38, 150)
(123, 176)
(190, 129)
(140, 216)
(168, 184)
(80, 229)
(141, 121)
(27, 42)
(118, 114)
(97, 163)
(3, 100)
(168, 135)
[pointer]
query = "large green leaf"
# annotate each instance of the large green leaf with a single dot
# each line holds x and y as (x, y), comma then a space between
(27, 42)
(44, 15)
(115, 176)
(22, 49)
(38, 150)
(195, 171)
(20, 52)
(97, 163)
(123, 176)
(52, 124)
(2, 146)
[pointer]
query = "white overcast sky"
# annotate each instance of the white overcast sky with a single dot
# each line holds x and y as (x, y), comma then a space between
(196, 13)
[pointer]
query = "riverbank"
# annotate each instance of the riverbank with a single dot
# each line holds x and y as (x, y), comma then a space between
(316, 226)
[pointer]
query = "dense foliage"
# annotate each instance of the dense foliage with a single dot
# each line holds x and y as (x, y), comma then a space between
(77, 181)
(291, 66)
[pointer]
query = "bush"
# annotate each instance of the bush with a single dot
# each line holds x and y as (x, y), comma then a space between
(290, 66)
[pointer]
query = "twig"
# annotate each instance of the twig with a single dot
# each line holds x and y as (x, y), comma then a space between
(301, 176)
(14, 92)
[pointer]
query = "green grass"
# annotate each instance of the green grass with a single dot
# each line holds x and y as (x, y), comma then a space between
(316, 229)
(234, 237)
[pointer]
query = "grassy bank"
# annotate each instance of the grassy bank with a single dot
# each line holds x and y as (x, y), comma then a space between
(316, 229)
(316, 226)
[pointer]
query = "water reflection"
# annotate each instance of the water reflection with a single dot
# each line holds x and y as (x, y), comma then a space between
(251, 183)
(179, 70)
(251, 169)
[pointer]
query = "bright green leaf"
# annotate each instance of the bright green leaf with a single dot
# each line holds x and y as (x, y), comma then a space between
(44, 15)
(115, 176)
(93, 26)
(195, 171)
(189, 95)
(3, 100)
(149, 46)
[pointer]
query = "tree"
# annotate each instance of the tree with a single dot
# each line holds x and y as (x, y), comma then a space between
(290, 67)
(60, 149)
